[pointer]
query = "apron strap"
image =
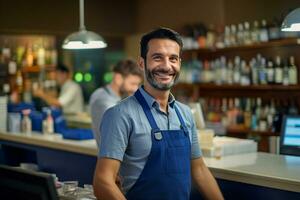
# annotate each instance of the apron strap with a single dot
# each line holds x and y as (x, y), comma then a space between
(147, 111)
(183, 126)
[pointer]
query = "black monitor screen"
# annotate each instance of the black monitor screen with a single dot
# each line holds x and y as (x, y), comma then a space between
(20, 184)
(290, 135)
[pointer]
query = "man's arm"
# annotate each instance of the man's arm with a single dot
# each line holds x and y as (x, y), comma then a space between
(106, 174)
(48, 98)
(204, 180)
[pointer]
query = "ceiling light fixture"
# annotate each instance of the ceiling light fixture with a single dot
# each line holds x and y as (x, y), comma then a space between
(83, 39)
(292, 21)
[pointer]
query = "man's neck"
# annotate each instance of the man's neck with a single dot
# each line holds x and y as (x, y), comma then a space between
(160, 96)
(115, 88)
(64, 82)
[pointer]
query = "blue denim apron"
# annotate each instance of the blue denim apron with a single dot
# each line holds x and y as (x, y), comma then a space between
(167, 172)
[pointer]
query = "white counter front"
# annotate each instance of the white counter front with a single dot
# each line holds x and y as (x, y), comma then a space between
(262, 169)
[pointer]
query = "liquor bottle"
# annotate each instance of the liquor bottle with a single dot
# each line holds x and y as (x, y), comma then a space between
(247, 114)
(270, 72)
(263, 33)
(240, 34)
(41, 56)
(285, 73)
(233, 39)
(239, 117)
(255, 32)
(229, 73)
(227, 36)
(224, 119)
(278, 71)
(254, 71)
(254, 116)
(223, 70)
(12, 66)
(274, 30)
(19, 81)
(29, 56)
(293, 72)
(237, 70)
(247, 34)
(271, 115)
(218, 72)
(262, 73)
(245, 73)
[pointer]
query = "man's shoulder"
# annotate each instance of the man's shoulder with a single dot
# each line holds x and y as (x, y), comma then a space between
(125, 105)
(72, 83)
(99, 95)
(182, 106)
(184, 109)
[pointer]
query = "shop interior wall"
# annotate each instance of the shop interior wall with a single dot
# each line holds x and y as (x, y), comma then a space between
(116, 19)
(112, 19)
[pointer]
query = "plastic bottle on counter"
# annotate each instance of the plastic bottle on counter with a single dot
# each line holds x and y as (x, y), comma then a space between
(48, 125)
(26, 122)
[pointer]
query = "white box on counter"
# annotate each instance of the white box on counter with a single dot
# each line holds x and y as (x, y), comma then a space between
(221, 145)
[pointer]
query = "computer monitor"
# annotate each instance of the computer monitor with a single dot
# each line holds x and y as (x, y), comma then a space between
(290, 135)
(21, 184)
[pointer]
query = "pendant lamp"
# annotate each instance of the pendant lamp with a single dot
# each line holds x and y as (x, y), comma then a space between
(292, 21)
(83, 39)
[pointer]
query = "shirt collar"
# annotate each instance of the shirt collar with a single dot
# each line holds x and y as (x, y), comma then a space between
(112, 93)
(152, 102)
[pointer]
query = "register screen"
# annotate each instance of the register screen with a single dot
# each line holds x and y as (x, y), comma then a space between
(292, 132)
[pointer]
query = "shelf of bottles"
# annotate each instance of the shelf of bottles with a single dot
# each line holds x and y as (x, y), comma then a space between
(236, 36)
(26, 61)
(240, 77)
(247, 117)
(246, 77)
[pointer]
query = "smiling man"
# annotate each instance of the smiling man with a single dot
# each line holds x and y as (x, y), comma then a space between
(149, 139)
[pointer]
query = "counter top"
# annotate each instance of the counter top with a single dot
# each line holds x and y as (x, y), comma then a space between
(263, 169)
(82, 120)
(54, 141)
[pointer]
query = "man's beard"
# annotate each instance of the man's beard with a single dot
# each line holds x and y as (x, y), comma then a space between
(150, 76)
(123, 92)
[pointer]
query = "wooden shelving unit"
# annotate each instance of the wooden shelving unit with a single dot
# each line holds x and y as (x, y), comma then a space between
(283, 48)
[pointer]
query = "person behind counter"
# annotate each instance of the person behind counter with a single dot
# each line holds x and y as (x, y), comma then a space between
(70, 97)
(149, 138)
(126, 79)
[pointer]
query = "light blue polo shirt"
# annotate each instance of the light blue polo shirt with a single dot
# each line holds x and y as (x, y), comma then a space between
(126, 133)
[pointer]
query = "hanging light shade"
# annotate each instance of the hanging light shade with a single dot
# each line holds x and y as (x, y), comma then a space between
(292, 21)
(83, 39)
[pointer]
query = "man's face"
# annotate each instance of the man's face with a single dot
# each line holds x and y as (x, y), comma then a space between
(162, 65)
(61, 77)
(130, 85)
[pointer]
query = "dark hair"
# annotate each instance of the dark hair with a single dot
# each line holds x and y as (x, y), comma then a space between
(62, 68)
(127, 67)
(159, 33)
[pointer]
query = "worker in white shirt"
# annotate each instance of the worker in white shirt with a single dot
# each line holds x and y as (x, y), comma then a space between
(70, 98)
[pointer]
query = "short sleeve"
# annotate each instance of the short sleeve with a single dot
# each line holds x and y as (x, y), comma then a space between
(67, 96)
(98, 107)
(114, 132)
(195, 149)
